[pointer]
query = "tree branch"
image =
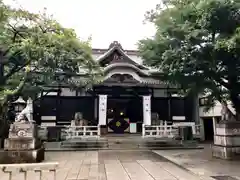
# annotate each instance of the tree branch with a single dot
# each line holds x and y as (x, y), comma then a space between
(14, 70)
(15, 31)
(219, 79)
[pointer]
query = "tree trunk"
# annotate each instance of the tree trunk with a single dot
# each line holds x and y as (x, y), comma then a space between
(1, 74)
(236, 103)
(4, 123)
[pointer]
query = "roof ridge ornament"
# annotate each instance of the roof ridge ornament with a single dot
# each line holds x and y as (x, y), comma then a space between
(115, 44)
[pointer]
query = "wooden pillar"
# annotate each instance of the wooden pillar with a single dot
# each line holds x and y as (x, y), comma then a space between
(95, 109)
(169, 109)
(169, 97)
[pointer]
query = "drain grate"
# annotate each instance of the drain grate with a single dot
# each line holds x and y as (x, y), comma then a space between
(224, 178)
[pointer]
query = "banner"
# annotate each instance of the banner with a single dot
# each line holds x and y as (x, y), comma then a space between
(147, 110)
(102, 110)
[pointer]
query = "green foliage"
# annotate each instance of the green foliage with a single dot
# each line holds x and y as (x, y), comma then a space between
(38, 45)
(35, 50)
(197, 45)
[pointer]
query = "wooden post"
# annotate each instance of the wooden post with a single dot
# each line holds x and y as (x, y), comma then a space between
(99, 130)
(143, 130)
(165, 128)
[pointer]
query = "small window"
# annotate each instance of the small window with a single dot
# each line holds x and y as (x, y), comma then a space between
(203, 101)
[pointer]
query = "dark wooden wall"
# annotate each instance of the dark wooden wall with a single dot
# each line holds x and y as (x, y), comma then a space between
(64, 108)
(174, 107)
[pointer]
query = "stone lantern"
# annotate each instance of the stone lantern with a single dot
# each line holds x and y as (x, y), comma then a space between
(19, 105)
(23, 144)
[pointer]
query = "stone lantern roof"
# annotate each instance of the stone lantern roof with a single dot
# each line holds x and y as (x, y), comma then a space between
(20, 100)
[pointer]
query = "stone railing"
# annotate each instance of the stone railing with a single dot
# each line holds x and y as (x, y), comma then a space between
(29, 171)
(169, 131)
(196, 129)
(161, 131)
(58, 133)
(82, 132)
(52, 133)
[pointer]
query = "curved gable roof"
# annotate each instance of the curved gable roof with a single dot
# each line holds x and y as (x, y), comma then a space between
(125, 65)
(115, 46)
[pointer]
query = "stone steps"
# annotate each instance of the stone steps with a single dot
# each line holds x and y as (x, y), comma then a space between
(108, 149)
(121, 144)
(84, 143)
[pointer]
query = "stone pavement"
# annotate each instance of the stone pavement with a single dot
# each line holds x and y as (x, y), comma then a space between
(201, 162)
(111, 165)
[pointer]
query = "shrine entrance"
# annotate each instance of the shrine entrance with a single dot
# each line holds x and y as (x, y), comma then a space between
(124, 107)
(121, 112)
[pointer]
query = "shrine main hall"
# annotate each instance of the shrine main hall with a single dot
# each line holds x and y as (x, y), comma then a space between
(129, 95)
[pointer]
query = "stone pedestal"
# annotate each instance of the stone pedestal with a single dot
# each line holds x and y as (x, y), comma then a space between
(227, 141)
(22, 145)
(103, 129)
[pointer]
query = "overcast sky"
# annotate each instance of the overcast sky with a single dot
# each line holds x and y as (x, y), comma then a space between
(104, 20)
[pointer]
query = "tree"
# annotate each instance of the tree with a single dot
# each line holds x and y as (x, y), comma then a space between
(34, 50)
(197, 45)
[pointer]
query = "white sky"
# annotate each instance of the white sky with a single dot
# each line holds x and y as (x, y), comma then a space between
(104, 20)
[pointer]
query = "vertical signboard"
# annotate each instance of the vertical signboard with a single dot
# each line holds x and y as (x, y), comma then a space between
(102, 111)
(147, 110)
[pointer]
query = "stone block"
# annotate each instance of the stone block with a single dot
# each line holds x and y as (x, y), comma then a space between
(43, 133)
(228, 153)
(227, 141)
(228, 129)
(103, 129)
(23, 130)
(22, 156)
(22, 144)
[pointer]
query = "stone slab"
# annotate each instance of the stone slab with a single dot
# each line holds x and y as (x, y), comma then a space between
(228, 132)
(29, 156)
(228, 129)
(115, 170)
(227, 141)
(155, 171)
(233, 141)
(201, 162)
(223, 152)
(108, 165)
(229, 125)
(23, 130)
(22, 144)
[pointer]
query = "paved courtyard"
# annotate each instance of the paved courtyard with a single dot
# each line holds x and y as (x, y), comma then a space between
(111, 165)
(201, 162)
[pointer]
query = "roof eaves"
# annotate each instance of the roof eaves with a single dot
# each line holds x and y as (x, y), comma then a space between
(102, 57)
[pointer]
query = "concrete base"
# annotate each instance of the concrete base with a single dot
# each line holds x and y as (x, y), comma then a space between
(228, 153)
(227, 141)
(22, 156)
(22, 144)
(103, 129)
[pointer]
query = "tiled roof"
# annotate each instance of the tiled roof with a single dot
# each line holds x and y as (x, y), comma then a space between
(131, 56)
(146, 81)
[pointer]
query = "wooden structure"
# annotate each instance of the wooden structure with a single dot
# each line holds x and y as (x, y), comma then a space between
(122, 101)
